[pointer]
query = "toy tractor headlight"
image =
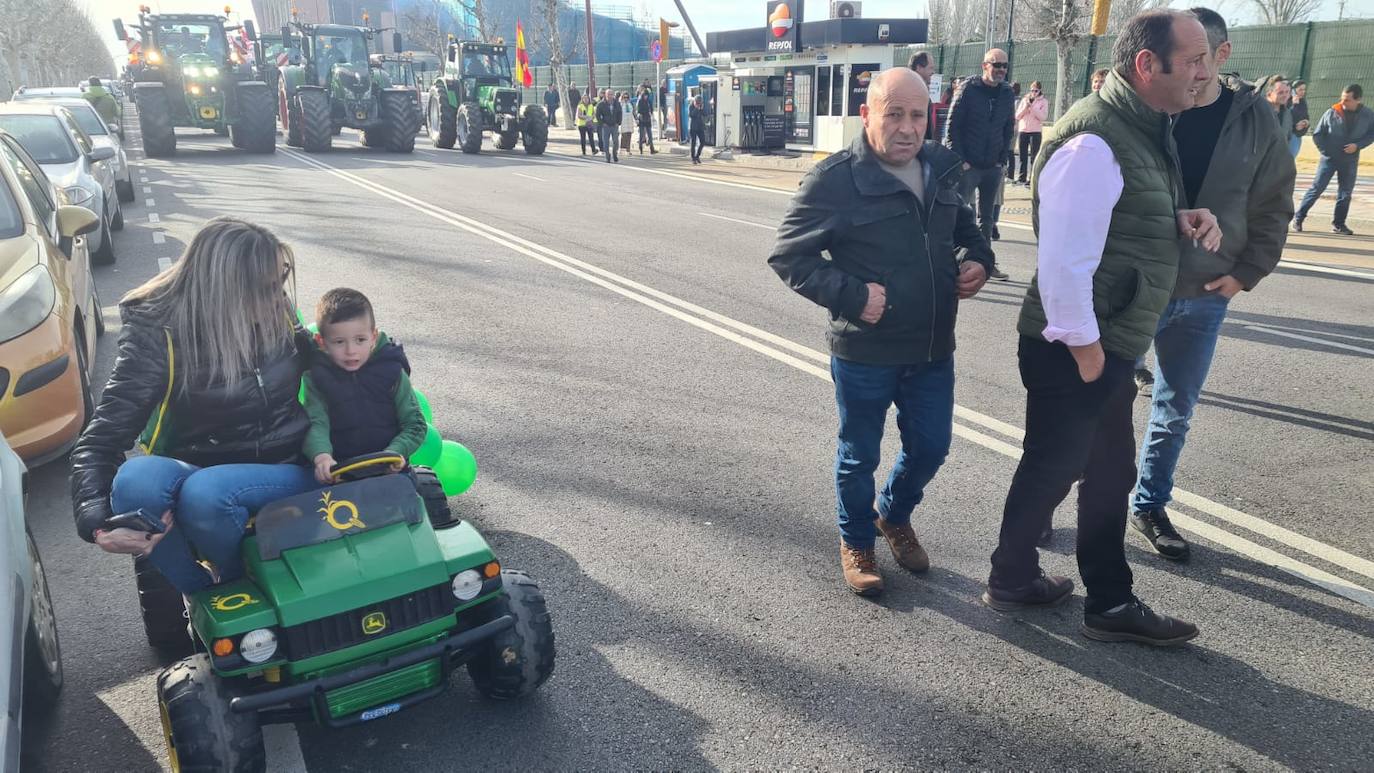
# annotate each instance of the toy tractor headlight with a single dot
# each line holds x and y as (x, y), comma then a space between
(467, 584)
(258, 646)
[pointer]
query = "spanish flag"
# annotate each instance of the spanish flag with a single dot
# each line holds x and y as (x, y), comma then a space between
(523, 75)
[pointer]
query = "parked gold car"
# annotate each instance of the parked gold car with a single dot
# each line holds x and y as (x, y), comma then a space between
(49, 310)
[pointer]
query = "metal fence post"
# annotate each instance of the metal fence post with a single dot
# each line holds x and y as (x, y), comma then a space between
(1306, 47)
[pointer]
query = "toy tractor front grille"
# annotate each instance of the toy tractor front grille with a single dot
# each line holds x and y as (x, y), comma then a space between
(365, 623)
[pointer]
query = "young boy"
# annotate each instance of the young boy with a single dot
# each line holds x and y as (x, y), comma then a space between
(357, 391)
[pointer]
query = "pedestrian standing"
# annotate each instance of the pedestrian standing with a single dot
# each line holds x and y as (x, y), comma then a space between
(627, 125)
(644, 115)
(1030, 120)
(1280, 98)
(696, 125)
(891, 286)
(1103, 202)
(1340, 135)
(551, 104)
(586, 124)
(663, 105)
(574, 96)
(1235, 163)
(609, 124)
(1301, 118)
(923, 65)
(980, 126)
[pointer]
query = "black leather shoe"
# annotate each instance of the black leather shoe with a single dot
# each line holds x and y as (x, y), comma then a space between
(1297, 224)
(1342, 229)
(1046, 536)
(1163, 537)
(998, 274)
(1043, 591)
(1137, 622)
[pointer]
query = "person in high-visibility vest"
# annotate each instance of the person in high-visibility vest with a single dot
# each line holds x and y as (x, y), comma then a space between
(586, 124)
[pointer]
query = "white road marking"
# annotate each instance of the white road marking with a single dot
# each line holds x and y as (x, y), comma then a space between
(153, 218)
(1302, 265)
(147, 188)
(159, 237)
(1366, 339)
(283, 746)
(719, 323)
(529, 177)
(163, 264)
(150, 203)
(737, 220)
(1310, 339)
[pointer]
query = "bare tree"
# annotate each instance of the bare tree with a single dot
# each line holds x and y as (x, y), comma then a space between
(1286, 11)
(547, 36)
(50, 43)
(954, 21)
(419, 26)
(1123, 10)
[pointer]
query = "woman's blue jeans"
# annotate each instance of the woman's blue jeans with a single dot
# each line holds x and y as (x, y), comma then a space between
(210, 510)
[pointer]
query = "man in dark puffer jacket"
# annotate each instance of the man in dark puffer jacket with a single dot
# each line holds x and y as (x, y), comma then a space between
(980, 129)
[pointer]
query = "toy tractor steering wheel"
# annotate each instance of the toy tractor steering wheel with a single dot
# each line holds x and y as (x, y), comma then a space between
(367, 466)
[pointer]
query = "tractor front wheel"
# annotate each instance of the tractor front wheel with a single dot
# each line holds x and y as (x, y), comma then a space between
(155, 121)
(316, 127)
(470, 128)
(534, 130)
(398, 111)
(201, 731)
(256, 130)
(442, 119)
(507, 140)
(520, 658)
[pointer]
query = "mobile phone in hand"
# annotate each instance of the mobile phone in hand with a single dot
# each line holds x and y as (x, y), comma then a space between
(138, 520)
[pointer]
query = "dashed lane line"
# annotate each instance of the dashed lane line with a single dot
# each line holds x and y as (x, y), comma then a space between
(163, 264)
(147, 188)
(159, 237)
(737, 220)
(149, 203)
(529, 177)
(153, 218)
(810, 361)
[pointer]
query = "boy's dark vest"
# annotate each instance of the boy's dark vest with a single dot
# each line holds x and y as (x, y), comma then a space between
(362, 406)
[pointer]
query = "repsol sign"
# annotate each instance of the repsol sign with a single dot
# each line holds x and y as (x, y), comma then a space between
(784, 22)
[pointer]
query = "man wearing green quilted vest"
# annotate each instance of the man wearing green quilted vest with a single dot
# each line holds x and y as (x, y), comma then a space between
(1106, 202)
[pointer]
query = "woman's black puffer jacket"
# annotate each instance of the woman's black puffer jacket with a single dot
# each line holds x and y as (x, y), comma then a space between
(254, 419)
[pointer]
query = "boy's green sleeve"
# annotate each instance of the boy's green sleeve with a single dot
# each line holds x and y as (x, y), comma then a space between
(317, 438)
(411, 419)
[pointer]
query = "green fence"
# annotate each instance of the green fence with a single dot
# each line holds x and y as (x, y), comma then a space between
(621, 76)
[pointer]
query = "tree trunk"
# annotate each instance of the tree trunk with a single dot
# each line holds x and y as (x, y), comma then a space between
(1063, 77)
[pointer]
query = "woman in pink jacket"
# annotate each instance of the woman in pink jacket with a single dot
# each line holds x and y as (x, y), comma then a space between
(1030, 118)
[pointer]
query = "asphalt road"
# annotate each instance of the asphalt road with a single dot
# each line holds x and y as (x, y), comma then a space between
(655, 430)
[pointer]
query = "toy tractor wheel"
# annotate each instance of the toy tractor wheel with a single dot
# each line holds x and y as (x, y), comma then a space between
(316, 127)
(520, 658)
(442, 119)
(163, 609)
(398, 110)
(534, 130)
(290, 111)
(201, 731)
(436, 501)
(256, 131)
(470, 128)
(155, 121)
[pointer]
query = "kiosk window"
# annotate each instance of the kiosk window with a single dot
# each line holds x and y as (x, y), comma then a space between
(837, 90)
(822, 91)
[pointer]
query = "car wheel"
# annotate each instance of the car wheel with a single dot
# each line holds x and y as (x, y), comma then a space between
(42, 653)
(117, 222)
(99, 311)
(125, 188)
(105, 255)
(83, 363)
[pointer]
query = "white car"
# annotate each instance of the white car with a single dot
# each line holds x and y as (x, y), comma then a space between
(73, 162)
(29, 650)
(25, 93)
(103, 135)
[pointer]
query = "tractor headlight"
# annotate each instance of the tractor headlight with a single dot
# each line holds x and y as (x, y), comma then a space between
(154, 57)
(209, 72)
(258, 646)
(26, 302)
(467, 584)
(79, 196)
(193, 72)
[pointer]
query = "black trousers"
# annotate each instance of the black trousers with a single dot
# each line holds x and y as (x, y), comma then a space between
(698, 144)
(587, 134)
(1074, 432)
(646, 134)
(1029, 145)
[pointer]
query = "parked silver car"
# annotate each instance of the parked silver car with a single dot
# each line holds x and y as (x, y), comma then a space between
(73, 162)
(103, 135)
(24, 93)
(29, 650)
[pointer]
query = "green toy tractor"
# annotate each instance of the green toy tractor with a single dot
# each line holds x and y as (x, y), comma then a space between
(475, 94)
(189, 77)
(335, 86)
(359, 600)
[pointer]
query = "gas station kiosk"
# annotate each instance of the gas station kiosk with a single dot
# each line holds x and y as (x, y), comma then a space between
(684, 83)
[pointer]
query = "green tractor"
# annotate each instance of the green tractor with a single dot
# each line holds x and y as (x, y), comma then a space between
(474, 94)
(189, 78)
(359, 600)
(335, 86)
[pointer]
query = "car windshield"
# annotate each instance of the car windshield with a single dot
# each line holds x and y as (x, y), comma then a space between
(180, 39)
(478, 65)
(11, 225)
(42, 136)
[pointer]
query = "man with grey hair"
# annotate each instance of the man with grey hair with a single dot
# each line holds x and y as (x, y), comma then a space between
(981, 123)
(888, 214)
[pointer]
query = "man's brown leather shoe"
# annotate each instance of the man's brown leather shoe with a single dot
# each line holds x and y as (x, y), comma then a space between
(860, 570)
(905, 547)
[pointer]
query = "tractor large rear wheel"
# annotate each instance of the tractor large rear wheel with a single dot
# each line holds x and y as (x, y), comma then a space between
(290, 112)
(534, 129)
(442, 120)
(256, 130)
(317, 131)
(398, 111)
(470, 128)
(155, 121)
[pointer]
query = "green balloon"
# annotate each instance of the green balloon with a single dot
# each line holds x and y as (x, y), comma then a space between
(424, 405)
(428, 452)
(456, 468)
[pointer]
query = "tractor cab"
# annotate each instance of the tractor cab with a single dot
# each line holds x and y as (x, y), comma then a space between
(478, 64)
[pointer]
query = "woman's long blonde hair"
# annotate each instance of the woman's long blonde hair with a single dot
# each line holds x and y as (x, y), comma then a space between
(225, 300)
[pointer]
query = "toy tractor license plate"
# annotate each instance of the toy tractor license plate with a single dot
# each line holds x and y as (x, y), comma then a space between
(379, 712)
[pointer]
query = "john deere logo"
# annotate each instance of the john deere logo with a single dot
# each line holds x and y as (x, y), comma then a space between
(331, 516)
(374, 623)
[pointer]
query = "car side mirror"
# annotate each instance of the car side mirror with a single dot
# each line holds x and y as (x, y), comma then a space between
(120, 34)
(250, 30)
(396, 42)
(74, 221)
(101, 154)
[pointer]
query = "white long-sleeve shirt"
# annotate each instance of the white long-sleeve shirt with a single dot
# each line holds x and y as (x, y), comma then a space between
(1078, 187)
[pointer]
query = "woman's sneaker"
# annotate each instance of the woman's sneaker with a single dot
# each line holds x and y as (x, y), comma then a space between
(1137, 622)
(1163, 537)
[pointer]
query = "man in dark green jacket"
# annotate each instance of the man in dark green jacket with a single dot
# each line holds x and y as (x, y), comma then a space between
(1105, 203)
(103, 101)
(888, 213)
(1235, 164)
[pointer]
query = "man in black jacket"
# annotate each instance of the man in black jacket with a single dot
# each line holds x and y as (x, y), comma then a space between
(888, 212)
(980, 129)
(608, 117)
(644, 112)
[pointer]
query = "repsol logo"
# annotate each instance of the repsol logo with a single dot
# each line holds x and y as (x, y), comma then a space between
(779, 45)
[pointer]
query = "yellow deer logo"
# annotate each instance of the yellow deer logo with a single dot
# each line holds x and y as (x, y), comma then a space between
(374, 623)
(330, 506)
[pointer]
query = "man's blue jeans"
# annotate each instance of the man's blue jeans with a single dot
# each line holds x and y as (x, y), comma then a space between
(924, 396)
(1184, 344)
(1344, 170)
(1295, 145)
(210, 509)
